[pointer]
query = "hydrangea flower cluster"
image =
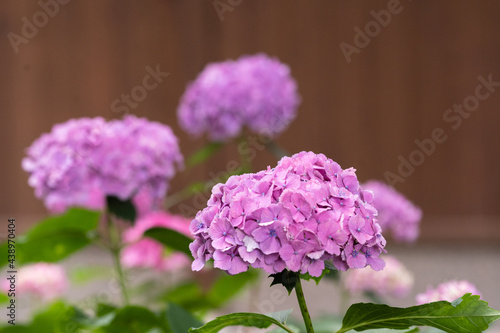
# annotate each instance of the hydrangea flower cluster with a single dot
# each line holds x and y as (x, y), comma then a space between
(148, 253)
(295, 216)
(254, 91)
(44, 280)
(395, 212)
(394, 280)
(447, 291)
(82, 161)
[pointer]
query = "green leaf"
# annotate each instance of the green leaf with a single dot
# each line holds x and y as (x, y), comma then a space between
(316, 279)
(466, 314)
(415, 330)
(171, 239)
(123, 209)
(51, 249)
(203, 154)
(191, 296)
(286, 278)
(75, 219)
(227, 286)
(56, 317)
(132, 319)
(179, 320)
(4, 298)
(244, 319)
(56, 237)
(103, 309)
(333, 273)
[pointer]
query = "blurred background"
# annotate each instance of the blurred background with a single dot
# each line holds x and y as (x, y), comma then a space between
(375, 78)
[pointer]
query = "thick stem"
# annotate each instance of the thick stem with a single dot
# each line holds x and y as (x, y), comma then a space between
(303, 307)
(114, 239)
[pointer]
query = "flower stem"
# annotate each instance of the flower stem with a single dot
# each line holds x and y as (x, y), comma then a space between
(115, 249)
(303, 307)
(276, 150)
(245, 157)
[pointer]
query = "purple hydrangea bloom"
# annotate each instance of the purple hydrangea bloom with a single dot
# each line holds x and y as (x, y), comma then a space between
(395, 212)
(447, 291)
(82, 161)
(254, 91)
(289, 217)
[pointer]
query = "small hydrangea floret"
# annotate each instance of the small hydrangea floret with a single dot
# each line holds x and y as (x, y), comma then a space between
(305, 211)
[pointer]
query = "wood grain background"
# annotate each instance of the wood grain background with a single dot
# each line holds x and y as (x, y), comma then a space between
(363, 114)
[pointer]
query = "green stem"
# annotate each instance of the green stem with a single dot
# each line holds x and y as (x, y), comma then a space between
(303, 307)
(345, 298)
(179, 197)
(115, 249)
(245, 158)
(276, 150)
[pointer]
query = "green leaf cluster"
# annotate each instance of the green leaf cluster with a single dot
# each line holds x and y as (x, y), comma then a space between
(191, 296)
(56, 237)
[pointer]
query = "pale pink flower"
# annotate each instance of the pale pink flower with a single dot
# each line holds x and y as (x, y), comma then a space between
(44, 280)
(149, 253)
(394, 280)
(447, 291)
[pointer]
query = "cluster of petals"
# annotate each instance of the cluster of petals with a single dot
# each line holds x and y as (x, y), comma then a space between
(395, 212)
(395, 280)
(254, 91)
(447, 291)
(46, 281)
(148, 253)
(296, 216)
(82, 161)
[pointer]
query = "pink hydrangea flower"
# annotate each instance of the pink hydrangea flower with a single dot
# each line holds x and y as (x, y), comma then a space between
(394, 280)
(295, 216)
(254, 91)
(44, 280)
(149, 253)
(395, 212)
(447, 291)
(82, 161)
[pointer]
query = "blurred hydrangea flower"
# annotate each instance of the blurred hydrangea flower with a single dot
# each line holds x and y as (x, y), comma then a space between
(148, 253)
(295, 216)
(82, 161)
(394, 280)
(44, 280)
(254, 91)
(395, 212)
(447, 291)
